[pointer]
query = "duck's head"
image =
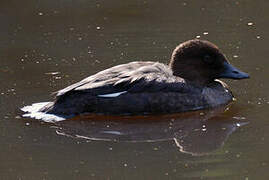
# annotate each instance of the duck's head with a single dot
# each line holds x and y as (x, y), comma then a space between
(201, 62)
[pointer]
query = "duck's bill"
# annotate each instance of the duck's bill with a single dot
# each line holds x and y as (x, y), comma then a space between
(232, 72)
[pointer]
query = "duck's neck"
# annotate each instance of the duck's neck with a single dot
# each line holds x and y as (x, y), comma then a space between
(200, 83)
(192, 77)
(190, 72)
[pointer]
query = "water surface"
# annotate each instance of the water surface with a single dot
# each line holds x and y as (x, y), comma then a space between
(47, 45)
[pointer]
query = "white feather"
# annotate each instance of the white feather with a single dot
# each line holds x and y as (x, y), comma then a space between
(44, 117)
(112, 94)
(34, 107)
(32, 111)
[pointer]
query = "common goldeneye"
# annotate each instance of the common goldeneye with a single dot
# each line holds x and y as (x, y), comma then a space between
(190, 82)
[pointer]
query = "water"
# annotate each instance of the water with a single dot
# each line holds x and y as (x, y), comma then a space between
(47, 45)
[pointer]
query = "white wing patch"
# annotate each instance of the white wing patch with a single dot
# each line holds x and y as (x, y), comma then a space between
(112, 94)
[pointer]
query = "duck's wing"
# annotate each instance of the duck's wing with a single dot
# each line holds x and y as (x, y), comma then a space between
(104, 78)
(133, 78)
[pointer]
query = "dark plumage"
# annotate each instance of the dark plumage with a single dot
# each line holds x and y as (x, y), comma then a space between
(188, 83)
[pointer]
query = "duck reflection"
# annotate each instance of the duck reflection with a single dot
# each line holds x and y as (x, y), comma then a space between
(196, 133)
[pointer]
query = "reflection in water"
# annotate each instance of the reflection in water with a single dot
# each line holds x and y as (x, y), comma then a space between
(196, 133)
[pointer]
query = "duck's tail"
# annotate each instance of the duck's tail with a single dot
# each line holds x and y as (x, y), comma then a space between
(35, 111)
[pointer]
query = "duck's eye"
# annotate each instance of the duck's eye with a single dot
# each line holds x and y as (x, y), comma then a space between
(208, 59)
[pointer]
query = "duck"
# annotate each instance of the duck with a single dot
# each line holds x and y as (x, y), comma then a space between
(189, 82)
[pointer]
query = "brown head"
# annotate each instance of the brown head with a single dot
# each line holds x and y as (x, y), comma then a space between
(200, 62)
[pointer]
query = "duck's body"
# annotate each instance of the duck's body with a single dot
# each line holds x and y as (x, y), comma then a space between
(187, 83)
(136, 88)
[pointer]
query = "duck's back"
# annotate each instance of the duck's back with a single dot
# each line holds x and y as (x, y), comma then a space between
(133, 88)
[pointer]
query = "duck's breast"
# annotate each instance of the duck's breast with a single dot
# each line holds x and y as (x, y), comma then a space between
(217, 94)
